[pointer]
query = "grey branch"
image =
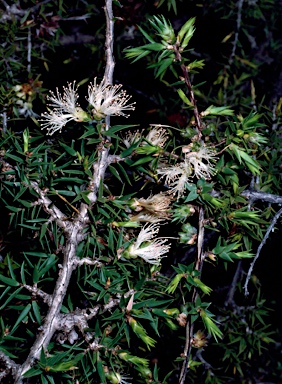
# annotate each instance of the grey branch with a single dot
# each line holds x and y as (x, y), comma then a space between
(10, 366)
(109, 43)
(230, 297)
(49, 207)
(78, 262)
(190, 325)
(255, 195)
(38, 292)
(238, 25)
(103, 161)
(74, 232)
(269, 229)
(79, 318)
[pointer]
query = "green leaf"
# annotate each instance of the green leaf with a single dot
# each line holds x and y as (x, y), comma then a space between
(9, 281)
(32, 372)
(116, 128)
(217, 111)
(184, 98)
(36, 311)
(186, 27)
(164, 65)
(16, 158)
(68, 149)
(21, 317)
(145, 34)
(101, 370)
(143, 160)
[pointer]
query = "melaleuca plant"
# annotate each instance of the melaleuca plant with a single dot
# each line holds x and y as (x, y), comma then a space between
(120, 224)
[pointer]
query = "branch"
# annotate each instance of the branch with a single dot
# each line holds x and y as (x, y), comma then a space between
(109, 43)
(254, 195)
(190, 325)
(270, 228)
(74, 234)
(38, 292)
(10, 366)
(53, 211)
(78, 262)
(103, 161)
(80, 317)
(238, 25)
(15, 11)
(230, 297)
(187, 80)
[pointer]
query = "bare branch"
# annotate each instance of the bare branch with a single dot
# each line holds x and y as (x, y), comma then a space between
(230, 297)
(4, 121)
(38, 292)
(51, 322)
(10, 366)
(29, 47)
(49, 207)
(190, 325)
(79, 318)
(198, 120)
(270, 228)
(109, 43)
(255, 195)
(78, 262)
(238, 25)
(103, 161)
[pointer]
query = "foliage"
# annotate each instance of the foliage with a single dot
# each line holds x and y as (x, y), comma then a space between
(125, 233)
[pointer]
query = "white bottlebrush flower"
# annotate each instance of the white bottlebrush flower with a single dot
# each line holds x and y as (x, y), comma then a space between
(198, 164)
(108, 100)
(156, 205)
(146, 218)
(131, 138)
(64, 109)
(176, 177)
(66, 102)
(201, 162)
(157, 136)
(147, 246)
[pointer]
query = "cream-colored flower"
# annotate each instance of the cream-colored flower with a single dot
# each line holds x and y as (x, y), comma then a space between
(156, 205)
(201, 161)
(196, 163)
(157, 136)
(176, 177)
(64, 109)
(147, 246)
(108, 100)
(144, 217)
(131, 138)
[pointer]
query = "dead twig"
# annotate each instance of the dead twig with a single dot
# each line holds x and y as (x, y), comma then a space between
(269, 229)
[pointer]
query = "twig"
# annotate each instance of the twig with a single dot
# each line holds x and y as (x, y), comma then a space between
(49, 207)
(13, 10)
(109, 43)
(103, 161)
(74, 232)
(189, 325)
(202, 360)
(74, 235)
(230, 297)
(29, 46)
(238, 25)
(274, 117)
(10, 366)
(263, 196)
(38, 292)
(270, 228)
(4, 121)
(187, 80)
